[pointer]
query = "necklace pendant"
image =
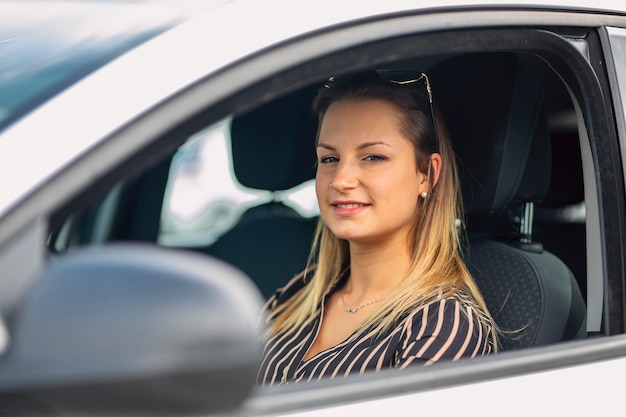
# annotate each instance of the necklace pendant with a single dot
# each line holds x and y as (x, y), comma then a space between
(354, 310)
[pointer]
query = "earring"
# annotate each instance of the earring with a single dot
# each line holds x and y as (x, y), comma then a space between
(424, 195)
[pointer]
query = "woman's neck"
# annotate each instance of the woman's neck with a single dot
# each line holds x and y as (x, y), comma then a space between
(375, 271)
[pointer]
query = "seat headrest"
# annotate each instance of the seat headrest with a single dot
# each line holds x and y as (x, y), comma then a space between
(273, 146)
(537, 174)
(491, 104)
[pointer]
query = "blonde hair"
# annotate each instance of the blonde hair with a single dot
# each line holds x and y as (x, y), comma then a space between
(437, 269)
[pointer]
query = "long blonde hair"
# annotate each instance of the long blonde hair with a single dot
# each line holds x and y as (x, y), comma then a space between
(437, 269)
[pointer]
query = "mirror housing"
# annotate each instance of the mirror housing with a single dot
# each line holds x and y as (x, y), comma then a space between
(133, 329)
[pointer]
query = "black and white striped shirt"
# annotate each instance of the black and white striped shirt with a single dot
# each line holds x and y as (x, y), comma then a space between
(445, 329)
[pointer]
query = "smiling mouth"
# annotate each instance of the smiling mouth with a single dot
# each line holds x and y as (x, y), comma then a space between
(350, 205)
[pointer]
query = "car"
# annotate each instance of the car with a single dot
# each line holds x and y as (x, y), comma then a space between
(157, 163)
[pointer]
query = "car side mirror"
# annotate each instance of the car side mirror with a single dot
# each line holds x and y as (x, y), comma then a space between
(133, 329)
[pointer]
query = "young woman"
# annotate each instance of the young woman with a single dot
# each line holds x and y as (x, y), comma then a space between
(386, 286)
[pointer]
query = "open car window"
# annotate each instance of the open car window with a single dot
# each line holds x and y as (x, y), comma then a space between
(241, 187)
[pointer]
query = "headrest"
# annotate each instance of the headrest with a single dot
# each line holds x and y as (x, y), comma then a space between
(273, 146)
(491, 104)
(535, 181)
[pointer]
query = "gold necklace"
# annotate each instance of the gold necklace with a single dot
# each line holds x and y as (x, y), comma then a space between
(354, 310)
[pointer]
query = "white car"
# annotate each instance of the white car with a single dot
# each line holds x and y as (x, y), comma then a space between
(156, 168)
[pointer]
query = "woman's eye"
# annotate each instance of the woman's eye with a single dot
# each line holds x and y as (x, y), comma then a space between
(375, 158)
(328, 159)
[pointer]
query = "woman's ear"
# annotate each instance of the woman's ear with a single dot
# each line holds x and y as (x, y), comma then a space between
(435, 167)
(430, 178)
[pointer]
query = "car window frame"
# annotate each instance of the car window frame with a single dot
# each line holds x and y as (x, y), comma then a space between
(613, 42)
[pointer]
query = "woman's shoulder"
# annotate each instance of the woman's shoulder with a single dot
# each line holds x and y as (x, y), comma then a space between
(284, 293)
(445, 328)
(452, 310)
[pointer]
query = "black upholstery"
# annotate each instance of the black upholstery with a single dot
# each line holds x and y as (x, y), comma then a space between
(537, 178)
(273, 149)
(494, 108)
(270, 244)
(533, 296)
(490, 105)
(540, 302)
(273, 145)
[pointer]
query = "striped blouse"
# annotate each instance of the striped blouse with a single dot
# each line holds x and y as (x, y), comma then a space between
(445, 329)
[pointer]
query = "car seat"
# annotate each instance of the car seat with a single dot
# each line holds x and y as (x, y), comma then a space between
(493, 106)
(272, 149)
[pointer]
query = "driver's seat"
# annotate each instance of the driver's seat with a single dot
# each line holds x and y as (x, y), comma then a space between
(493, 106)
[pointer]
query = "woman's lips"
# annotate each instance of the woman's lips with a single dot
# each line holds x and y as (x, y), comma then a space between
(348, 208)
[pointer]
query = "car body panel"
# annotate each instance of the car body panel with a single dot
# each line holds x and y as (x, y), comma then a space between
(556, 372)
(553, 392)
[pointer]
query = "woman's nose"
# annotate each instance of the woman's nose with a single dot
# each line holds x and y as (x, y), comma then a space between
(345, 177)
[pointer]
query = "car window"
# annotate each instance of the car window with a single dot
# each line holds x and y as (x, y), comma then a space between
(226, 198)
(198, 198)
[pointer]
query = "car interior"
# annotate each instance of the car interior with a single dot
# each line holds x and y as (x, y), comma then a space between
(239, 188)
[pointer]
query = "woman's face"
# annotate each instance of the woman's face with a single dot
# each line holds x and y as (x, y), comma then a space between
(367, 182)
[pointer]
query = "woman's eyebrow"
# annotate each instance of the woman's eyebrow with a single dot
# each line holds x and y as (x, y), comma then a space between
(361, 146)
(325, 146)
(368, 144)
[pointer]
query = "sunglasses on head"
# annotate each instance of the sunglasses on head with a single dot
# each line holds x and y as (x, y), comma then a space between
(373, 75)
(429, 90)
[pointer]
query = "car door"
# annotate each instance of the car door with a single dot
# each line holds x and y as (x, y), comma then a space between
(115, 179)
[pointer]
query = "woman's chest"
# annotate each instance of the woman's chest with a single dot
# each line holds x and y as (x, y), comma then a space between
(358, 354)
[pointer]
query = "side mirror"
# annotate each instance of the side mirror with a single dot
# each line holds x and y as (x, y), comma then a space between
(133, 329)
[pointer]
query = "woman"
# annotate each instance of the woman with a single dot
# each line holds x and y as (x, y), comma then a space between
(386, 286)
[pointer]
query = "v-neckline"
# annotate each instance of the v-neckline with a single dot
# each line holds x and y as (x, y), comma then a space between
(338, 284)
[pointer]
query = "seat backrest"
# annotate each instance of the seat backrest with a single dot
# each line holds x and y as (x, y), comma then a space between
(272, 149)
(533, 294)
(493, 106)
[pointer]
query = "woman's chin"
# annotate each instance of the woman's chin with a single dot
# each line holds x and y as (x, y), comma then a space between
(355, 237)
